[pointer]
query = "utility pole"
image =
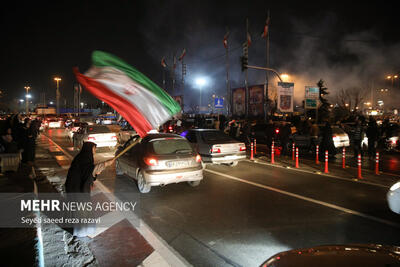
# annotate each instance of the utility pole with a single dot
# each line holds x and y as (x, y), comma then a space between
(266, 98)
(228, 91)
(57, 95)
(173, 73)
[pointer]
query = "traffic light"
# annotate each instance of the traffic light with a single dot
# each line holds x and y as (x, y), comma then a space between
(244, 62)
(183, 69)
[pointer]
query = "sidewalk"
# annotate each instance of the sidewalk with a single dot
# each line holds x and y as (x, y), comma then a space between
(18, 245)
(121, 244)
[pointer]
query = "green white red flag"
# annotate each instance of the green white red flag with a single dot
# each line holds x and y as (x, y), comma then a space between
(143, 104)
(182, 55)
(266, 28)
(163, 63)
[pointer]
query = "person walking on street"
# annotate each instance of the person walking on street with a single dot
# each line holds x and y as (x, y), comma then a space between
(327, 140)
(285, 133)
(269, 133)
(357, 138)
(372, 135)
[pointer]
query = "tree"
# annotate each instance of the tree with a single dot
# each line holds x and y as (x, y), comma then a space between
(350, 99)
(323, 110)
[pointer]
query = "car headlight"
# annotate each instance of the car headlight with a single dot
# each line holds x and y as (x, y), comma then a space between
(395, 186)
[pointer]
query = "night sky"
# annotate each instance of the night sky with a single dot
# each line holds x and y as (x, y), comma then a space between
(346, 45)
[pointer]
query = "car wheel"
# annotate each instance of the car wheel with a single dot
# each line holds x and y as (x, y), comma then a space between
(194, 183)
(143, 186)
(233, 164)
(118, 169)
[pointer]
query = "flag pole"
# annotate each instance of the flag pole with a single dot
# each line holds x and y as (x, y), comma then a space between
(163, 76)
(173, 73)
(128, 147)
(228, 94)
(183, 85)
(246, 75)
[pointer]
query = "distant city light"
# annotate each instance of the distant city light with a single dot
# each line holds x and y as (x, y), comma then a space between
(21, 100)
(51, 102)
(28, 96)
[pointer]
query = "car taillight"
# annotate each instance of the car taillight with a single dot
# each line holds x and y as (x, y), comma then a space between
(198, 158)
(151, 161)
(215, 150)
(170, 127)
(242, 148)
(91, 138)
(276, 131)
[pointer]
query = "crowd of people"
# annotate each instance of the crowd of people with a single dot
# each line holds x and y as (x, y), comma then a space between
(356, 127)
(18, 135)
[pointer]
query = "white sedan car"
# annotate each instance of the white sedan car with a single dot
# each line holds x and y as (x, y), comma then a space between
(101, 135)
(393, 197)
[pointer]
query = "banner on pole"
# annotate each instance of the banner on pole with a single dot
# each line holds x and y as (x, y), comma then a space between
(311, 97)
(285, 96)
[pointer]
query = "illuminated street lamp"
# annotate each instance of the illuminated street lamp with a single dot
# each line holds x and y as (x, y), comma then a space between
(27, 88)
(285, 77)
(392, 78)
(200, 82)
(57, 79)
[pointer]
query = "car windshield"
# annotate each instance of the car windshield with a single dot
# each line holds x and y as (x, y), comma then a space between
(211, 136)
(98, 129)
(170, 146)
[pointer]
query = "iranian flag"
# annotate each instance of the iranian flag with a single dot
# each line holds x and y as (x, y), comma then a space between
(182, 55)
(248, 39)
(139, 100)
(226, 40)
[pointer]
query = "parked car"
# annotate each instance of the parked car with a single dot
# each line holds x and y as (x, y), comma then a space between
(125, 134)
(259, 133)
(215, 146)
(304, 142)
(160, 159)
(393, 197)
(344, 255)
(101, 135)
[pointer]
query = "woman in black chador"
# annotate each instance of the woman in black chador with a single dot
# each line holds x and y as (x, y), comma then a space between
(80, 178)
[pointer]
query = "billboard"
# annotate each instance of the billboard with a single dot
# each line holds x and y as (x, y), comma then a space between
(311, 97)
(238, 101)
(256, 100)
(179, 100)
(285, 96)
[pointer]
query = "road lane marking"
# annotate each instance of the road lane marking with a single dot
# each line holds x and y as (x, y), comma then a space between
(319, 173)
(322, 203)
(160, 245)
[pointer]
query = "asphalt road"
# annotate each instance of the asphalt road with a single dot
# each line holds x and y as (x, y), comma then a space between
(240, 216)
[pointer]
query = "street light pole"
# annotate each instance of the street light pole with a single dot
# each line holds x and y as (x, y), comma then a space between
(26, 99)
(57, 95)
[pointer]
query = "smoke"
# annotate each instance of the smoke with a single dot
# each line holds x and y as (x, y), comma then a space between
(307, 49)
